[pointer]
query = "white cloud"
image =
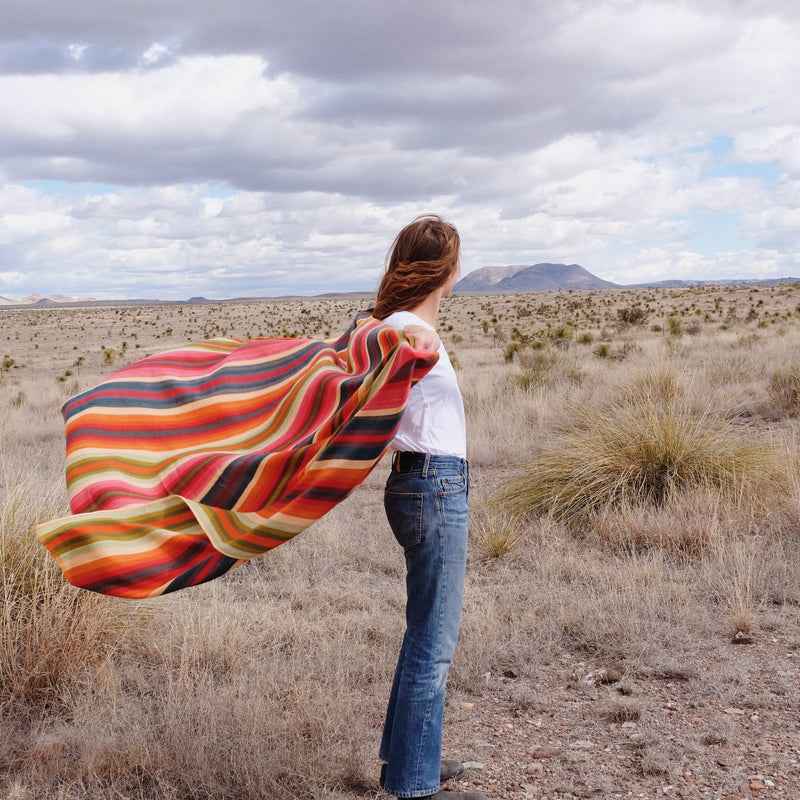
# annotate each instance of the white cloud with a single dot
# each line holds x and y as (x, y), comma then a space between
(247, 244)
(780, 144)
(155, 53)
(250, 148)
(76, 51)
(196, 99)
(12, 278)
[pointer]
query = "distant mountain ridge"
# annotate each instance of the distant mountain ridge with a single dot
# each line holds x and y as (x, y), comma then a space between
(64, 301)
(545, 277)
(548, 277)
(44, 300)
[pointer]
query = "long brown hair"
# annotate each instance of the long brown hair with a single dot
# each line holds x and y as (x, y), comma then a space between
(423, 256)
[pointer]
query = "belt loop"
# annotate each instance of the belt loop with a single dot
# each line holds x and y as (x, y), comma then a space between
(425, 464)
(395, 461)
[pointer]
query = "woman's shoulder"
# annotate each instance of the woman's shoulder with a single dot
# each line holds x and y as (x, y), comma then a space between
(399, 319)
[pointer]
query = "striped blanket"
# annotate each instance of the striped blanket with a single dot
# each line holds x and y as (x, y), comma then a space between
(183, 465)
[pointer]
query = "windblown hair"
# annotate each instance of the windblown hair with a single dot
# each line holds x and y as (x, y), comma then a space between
(423, 256)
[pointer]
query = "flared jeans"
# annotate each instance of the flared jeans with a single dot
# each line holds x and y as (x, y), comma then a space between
(426, 504)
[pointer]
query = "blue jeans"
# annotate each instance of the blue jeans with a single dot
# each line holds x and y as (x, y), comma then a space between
(426, 504)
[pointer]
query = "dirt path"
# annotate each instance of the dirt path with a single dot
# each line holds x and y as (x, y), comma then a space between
(726, 726)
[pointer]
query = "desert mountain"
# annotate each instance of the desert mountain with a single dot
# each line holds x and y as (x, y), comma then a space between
(535, 278)
(486, 278)
(42, 300)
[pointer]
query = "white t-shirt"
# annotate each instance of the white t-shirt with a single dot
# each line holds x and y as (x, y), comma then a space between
(433, 421)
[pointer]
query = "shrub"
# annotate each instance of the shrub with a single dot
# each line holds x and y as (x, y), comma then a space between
(642, 453)
(632, 315)
(585, 338)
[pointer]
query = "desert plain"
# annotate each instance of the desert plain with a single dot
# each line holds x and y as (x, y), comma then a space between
(631, 622)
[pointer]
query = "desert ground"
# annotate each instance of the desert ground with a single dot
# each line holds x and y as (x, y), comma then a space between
(631, 621)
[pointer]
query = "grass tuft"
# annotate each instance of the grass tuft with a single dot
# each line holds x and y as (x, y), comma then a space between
(658, 384)
(784, 388)
(496, 534)
(623, 711)
(640, 454)
(52, 636)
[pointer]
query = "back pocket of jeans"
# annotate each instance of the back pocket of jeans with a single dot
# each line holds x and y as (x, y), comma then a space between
(404, 512)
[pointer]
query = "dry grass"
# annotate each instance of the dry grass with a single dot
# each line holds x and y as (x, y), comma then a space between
(495, 534)
(660, 497)
(644, 453)
(623, 710)
(784, 387)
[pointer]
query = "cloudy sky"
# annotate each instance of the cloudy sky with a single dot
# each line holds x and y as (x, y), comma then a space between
(266, 147)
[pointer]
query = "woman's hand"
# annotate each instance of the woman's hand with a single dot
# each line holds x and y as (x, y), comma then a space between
(422, 338)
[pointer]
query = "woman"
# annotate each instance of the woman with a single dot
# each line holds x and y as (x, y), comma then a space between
(426, 504)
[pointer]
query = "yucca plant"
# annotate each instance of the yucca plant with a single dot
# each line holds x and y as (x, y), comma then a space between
(645, 453)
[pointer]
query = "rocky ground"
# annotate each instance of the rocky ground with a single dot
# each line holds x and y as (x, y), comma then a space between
(723, 727)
